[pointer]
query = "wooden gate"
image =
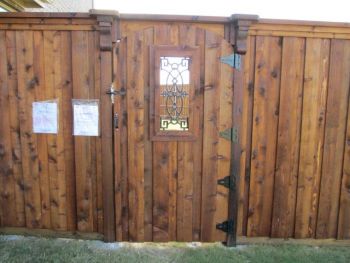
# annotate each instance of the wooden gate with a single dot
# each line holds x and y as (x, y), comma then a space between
(168, 152)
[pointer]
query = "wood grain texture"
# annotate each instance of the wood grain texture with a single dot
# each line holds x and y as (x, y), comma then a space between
(225, 121)
(335, 128)
(210, 136)
(135, 104)
(15, 127)
(7, 180)
(312, 136)
(66, 128)
(198, 144)
(39, 71)
(245, 138)
(265, 123)
(287, 160)
(165, 170)
(83, 82)
(121, 145)
(30, 163)
(184, 230)
(344, 206)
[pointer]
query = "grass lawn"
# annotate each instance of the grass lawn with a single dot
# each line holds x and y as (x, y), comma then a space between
(31, 249)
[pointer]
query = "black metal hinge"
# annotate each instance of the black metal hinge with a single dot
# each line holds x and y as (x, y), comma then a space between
(228, 182)
(230, 134)
(234, 60)
(226, 226)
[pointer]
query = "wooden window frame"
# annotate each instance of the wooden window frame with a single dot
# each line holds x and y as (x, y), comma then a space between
(156, 52)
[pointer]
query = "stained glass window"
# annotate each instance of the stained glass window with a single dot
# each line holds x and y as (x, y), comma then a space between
(174, 92)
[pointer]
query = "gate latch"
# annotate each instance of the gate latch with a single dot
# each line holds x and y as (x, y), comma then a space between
(112, 92)
(226, 226)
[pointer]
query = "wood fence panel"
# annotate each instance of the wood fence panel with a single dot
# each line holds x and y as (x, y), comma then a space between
(264, 137)
(312, 136)
(30, 163)
(333, 153)
(288, 140)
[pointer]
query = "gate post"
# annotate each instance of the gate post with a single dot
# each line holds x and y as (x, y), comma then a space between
(108, 31)
(238, 34)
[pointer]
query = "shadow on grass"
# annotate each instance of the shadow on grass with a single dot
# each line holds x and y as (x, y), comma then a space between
(30, 249)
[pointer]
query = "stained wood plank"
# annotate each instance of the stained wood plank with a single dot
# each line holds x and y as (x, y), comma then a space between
(245, 138)
(344, 206)
(135, 104)
(198, 144)
(7, 182)
(148, 150)
(312, 136)
(106, 110)
(210, 137)
(39, 72)
(187, 36)
(67, 128)
(121, 145)
(95, 52)
(225, 121)
(81, 86)
(164, 163)
(165, 166)
(266, 105)
(335, 128)
(26, 93)
(50, 75)
(289, 125)
(15, 127)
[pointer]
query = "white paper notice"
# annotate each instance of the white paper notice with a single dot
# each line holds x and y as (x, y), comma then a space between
(45, 117)
(85, 118)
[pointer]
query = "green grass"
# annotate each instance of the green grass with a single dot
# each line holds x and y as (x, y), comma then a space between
(31, 249)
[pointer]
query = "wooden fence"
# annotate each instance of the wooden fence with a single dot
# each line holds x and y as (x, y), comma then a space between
(295, 162)
(52, 181)
(291, 109)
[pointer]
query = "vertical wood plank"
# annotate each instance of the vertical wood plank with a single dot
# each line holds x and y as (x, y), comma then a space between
(61, 165)
(187, 36)
(66, 128)
(312, 136)
(39, 72)
(266, 105)
(106, 111)
(26, 93)
(210, 136)
(165, 165)
(344, 207)
(287, 160)
(135, 105)
(15, 127)
(148, 157)
(7, 180)
(121, 145)
(225, 121)
(93, 89)
(245, 138)
(335, 128)
(81, 86)
(198, 144)
(95, 52)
